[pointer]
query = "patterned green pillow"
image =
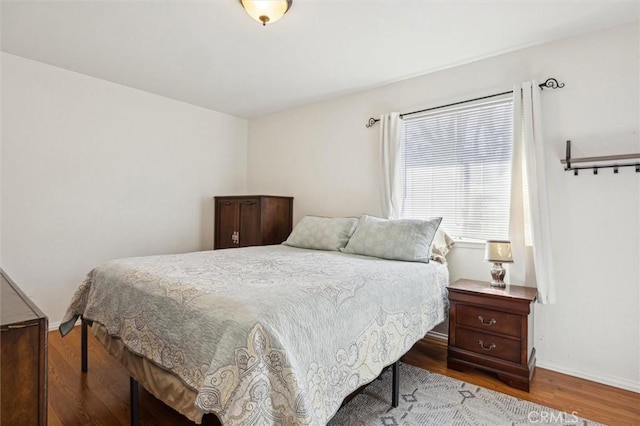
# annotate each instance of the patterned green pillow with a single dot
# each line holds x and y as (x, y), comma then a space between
(322, 233)
(402, 239)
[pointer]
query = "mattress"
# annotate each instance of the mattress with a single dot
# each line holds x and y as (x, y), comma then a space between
(266, 335)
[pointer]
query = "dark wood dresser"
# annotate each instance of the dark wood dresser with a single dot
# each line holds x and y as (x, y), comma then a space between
(23, 343)
(492, 329)
(252, 220)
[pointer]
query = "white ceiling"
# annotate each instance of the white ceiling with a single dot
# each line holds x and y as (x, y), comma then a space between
(212, 54)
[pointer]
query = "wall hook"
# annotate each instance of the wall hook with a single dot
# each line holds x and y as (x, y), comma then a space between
(602, 160)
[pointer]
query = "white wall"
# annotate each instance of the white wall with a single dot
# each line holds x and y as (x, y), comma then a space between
(323, 155)
(93, 171)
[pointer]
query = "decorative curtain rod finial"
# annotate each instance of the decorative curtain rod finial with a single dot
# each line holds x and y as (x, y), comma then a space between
(551, 83)
(372, 121)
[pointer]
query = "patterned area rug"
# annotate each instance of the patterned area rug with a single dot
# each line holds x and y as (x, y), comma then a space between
(432, 399)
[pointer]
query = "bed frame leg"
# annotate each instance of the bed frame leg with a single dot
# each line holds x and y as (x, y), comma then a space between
(85, 357)
(395, 381)
(133, 385)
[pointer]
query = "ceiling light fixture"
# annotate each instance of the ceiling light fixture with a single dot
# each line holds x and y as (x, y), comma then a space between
(266, 11)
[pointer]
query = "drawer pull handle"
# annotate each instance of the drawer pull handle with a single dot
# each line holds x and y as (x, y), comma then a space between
(486, 348)
(18, 326)
(235, 237)
(490, 323)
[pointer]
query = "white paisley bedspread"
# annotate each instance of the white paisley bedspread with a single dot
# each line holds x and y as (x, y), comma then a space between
(270, 335)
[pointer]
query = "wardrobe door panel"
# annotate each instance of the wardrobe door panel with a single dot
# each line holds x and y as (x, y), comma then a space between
(250, 228)
(226, 223)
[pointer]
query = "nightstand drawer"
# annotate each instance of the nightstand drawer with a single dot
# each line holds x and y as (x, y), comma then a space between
(488, 344)
(489, 320)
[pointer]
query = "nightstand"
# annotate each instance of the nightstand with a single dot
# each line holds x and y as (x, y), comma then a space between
(491, 329)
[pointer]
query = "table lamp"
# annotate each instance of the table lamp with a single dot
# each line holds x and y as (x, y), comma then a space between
(498, 252)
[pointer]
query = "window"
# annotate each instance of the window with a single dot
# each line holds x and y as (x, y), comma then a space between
(457, 164)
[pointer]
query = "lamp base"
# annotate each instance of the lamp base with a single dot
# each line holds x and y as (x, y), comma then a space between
(497, 275)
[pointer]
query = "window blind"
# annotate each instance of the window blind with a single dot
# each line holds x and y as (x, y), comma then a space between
(457, 164)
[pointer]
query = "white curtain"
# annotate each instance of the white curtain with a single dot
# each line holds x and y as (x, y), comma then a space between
(391, 173)
(528, 155)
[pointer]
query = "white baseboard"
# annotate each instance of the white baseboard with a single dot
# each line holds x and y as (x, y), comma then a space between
(615, 382)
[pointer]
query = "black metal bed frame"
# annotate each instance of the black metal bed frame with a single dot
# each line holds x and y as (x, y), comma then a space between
(134, 392)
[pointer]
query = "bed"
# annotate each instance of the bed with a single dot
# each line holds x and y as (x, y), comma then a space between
(259, 335)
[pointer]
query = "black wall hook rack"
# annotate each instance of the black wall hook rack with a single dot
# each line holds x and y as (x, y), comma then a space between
(568, 162)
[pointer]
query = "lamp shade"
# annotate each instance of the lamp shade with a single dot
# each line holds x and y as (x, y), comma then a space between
(498, 251)
(266, 11)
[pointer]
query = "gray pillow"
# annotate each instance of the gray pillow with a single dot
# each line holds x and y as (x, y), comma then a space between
(402, 239)
(322, 233)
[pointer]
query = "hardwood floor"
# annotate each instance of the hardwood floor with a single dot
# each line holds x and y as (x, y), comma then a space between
(101, 397)
(590, 400)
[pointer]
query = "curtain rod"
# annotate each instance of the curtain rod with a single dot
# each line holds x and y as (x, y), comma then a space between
(551, 83)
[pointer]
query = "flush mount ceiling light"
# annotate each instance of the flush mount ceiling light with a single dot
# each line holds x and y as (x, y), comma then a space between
(266, 11)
